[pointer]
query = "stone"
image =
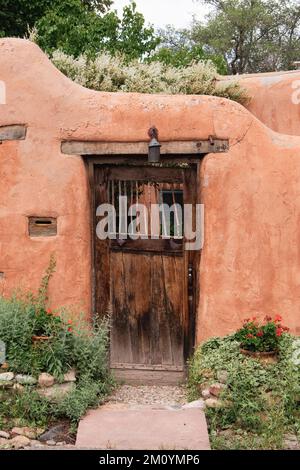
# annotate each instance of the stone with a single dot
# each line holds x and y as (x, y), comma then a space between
(290, 442)
(194, 404)
(205, 393)
(222, 376)
(19, 442)
(4, 443)
(59, 444)
(58, 391)
(208, 373)
(226, 433)
(46, 380)
(213, 403)
(25, 379)
(50, 443)
(53, 433)
(34, 444)
(143, 427)
(18, 387)
(7, 377)
(6, 384)
(216, 389)
(4, 435)
(27, 432)
(70, 376)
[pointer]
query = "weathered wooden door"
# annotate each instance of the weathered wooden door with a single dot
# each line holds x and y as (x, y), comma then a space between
(142, 271)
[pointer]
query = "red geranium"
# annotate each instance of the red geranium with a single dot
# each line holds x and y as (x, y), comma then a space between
(261, 336)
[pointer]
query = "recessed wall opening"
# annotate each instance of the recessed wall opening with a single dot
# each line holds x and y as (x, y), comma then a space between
(42, 226)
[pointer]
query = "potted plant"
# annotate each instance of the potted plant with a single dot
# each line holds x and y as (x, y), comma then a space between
(45, 325)
(261, 338)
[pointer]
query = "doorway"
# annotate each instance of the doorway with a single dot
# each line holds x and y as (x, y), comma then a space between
(143, 275)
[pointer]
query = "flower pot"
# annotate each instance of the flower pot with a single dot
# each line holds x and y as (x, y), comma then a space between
(268, 356)
(40, 339)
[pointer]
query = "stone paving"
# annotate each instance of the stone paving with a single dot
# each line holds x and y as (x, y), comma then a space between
(145, 418)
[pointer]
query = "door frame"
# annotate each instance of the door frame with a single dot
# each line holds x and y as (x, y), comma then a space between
(191, 258)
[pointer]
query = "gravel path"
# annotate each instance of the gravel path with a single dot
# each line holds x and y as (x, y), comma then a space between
(149, 395)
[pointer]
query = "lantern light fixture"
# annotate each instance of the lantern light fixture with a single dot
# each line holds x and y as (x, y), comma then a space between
(154, 146)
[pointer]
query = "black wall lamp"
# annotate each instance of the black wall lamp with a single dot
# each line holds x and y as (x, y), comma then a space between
(154, 146)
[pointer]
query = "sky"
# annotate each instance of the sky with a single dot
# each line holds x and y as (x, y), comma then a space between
(162, 12)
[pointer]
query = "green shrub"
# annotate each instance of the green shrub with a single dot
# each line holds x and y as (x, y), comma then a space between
(70, 344)
(88, 393)
(261, 400)
(114, 73)
(28, 408)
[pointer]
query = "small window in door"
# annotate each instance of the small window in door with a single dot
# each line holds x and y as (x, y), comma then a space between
(172, 213)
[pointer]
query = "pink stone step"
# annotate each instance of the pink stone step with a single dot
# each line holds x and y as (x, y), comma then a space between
(123, 427)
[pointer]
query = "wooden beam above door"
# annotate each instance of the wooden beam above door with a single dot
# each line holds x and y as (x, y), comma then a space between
(12, 132)
(199, 147)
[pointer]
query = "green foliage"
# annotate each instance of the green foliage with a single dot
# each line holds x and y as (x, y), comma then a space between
(88, 393)
(30, 408)
(261, 401)
(17, 16)
(252, 36)
(108, 73)
(178, 50)
(71, 344)
(27, 407)
(75, 29)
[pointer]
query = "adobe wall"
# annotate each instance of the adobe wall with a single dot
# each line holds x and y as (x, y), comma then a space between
(275, 99)
(251, 256)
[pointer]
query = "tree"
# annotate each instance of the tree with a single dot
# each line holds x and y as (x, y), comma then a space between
(75, 29)
(17, 16)
(251, 35)
(179, 50)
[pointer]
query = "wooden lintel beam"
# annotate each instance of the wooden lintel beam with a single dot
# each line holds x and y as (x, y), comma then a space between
(199, 147)
(13, 132)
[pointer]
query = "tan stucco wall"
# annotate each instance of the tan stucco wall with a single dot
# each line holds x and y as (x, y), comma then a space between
(251, 257)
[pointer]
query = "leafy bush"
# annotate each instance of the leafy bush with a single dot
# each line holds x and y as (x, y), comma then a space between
(261, 400)
(70, 344)
(88, 393)
(114, 73)
(22, 317)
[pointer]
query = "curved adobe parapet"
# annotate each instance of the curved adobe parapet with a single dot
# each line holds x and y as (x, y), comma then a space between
(275, 99)
(39, 95)
(250, 261)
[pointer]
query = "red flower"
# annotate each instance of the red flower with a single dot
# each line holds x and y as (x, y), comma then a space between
(260, 334)
(250, 335)
(246, 320)
(279, 331)
(254, 318)
(277, 318)
(268, 318)
(70, 329)
(49, 311)
(70, 322)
